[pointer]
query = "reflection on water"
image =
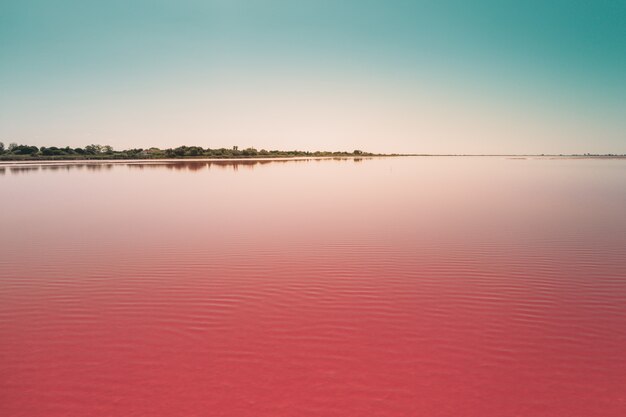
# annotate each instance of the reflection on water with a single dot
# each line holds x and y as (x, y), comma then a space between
(388, 287)
(202, 165)
(178, 165)
(32, 168)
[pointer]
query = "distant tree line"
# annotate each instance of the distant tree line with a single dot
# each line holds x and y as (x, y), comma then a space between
(29, 152)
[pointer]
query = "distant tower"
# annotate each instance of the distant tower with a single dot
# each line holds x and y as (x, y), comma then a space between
(235, 148)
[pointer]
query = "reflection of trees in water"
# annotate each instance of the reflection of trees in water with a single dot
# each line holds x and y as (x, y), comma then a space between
(200, 165)
(59, 167)
(99, 167)
(71, 167)
(191, 166)
(23, 169)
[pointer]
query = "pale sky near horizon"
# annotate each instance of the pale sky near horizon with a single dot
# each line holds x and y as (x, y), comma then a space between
(395, 76)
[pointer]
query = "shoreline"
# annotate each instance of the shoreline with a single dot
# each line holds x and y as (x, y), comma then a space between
(175, 160)
(56, 161)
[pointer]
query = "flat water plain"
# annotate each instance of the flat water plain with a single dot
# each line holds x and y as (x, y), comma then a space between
(409, 286)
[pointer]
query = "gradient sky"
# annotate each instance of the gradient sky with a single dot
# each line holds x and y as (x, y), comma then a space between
(484, 76)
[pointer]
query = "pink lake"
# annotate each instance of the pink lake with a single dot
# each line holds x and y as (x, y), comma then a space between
(410, 286)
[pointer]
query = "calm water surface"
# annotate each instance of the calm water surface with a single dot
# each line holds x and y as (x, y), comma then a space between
(487, 287)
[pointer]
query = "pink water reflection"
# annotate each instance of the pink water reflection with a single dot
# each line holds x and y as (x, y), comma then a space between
(385, 287)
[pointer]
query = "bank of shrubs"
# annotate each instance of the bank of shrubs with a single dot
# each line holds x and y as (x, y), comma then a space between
(23, 152)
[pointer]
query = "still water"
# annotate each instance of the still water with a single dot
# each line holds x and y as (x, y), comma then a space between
(431, 286)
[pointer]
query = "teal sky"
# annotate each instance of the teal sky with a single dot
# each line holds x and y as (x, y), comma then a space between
(391, 76)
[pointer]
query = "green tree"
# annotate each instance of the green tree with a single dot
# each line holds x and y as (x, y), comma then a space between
(1, 148)
(93, 149)
(24, 150)
(249, 152)
(194, 151)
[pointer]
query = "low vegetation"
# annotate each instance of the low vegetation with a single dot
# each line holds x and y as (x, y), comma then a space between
(15, 152)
